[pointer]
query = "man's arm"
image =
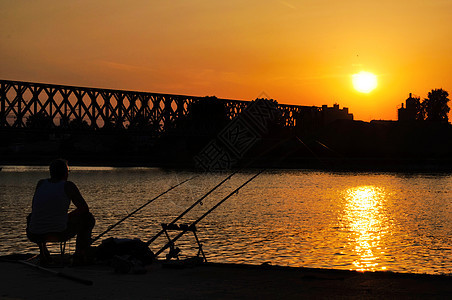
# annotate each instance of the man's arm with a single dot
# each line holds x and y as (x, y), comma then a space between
(74, 194)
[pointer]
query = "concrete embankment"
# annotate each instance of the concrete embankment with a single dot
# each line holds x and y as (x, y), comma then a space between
(219, 281)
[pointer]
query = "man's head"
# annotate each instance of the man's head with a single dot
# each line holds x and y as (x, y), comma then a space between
(59, 169)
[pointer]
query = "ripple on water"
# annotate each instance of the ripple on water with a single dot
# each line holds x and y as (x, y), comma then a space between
(296, 218)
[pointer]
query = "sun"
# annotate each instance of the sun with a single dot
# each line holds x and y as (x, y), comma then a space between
(364, 82)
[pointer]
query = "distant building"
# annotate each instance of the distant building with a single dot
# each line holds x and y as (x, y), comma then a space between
(411, 111)
(383, 122)
(334, 113)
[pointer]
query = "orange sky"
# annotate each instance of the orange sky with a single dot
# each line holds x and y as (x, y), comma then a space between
(297, 52)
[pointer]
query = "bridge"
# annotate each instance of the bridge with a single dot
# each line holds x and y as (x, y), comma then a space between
(66, 106)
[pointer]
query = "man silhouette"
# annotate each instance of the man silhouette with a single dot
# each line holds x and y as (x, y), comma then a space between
(50, 218)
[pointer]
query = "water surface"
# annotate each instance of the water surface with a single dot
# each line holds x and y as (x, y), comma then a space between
(362, 221)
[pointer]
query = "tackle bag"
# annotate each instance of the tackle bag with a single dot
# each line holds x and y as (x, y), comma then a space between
(136, 248)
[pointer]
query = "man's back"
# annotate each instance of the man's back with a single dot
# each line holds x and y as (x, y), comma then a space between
(50, 207)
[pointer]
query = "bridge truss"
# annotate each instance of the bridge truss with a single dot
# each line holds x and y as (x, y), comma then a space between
(99, 108)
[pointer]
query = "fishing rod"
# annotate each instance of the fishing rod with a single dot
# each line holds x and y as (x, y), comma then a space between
(188, 228)
(193, 224)
(328, 148)
(162, 231)
(310, 150)
(191, 207)
(324, 163)
(139, 208)
(56, 273)
(184, 229)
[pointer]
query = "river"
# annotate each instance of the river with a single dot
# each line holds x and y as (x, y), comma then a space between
(354, 221)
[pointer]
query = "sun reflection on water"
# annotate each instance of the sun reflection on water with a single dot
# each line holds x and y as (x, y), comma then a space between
(364, 219)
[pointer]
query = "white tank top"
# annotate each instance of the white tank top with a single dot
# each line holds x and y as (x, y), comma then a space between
(49, 209)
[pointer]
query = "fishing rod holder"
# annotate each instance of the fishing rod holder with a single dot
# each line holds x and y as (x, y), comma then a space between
(175, 251)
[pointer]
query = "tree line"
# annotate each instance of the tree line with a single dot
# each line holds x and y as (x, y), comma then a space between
(434, 107)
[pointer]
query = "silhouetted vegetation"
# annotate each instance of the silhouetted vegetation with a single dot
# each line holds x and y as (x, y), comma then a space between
(142, 123)
(435, 107)
(188, 134)
(420, 108)
(39, 121)
(208, 115)
(78, 124)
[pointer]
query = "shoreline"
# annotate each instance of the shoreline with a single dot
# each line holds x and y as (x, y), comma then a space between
(219, 281)
(353, 166)
(214, 281)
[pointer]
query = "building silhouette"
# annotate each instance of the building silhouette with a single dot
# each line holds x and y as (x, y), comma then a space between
(331, 114)
(411, 111)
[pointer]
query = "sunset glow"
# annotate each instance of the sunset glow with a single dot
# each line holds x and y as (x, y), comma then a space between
(295, 52)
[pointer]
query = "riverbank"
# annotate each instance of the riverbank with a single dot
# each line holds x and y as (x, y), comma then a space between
(343, 145)
(218, 281)
(356, 165)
